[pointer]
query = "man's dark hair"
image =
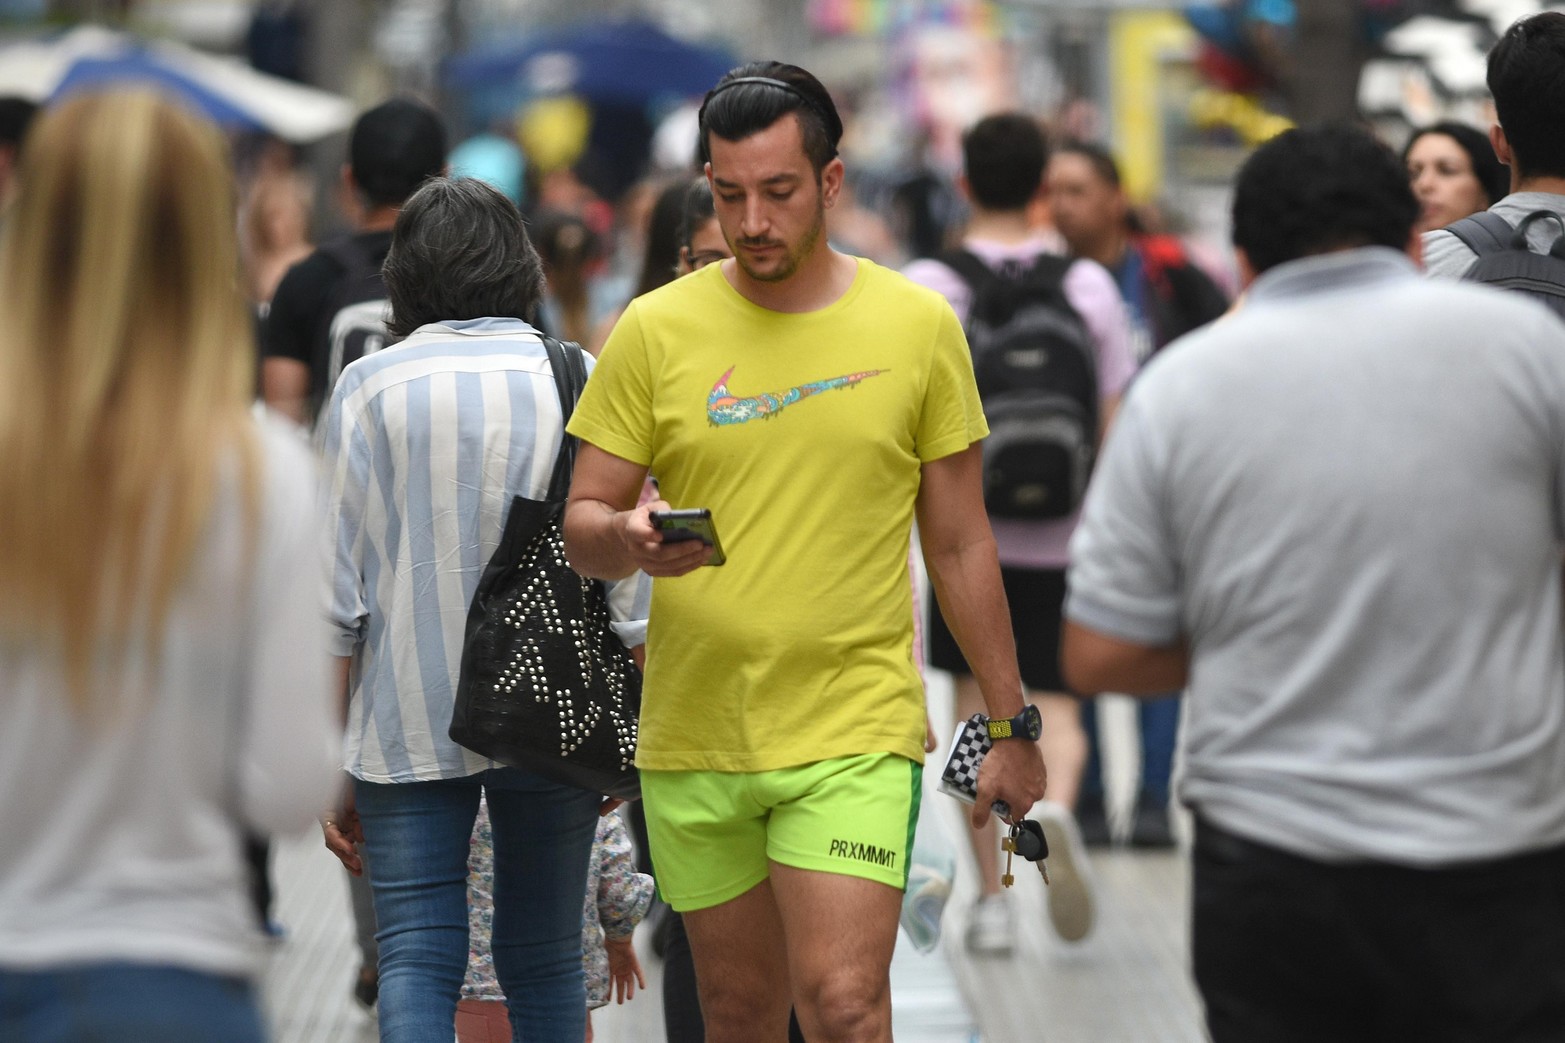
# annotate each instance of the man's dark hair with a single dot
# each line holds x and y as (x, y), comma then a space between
(15, 116)
(459, 251)
(1097, 156)
(1003, 157)
(1527, 78)
(734, 110)
(1316, 190)
(393, 148)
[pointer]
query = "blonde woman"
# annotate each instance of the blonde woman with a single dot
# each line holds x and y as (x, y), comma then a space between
(163, 677)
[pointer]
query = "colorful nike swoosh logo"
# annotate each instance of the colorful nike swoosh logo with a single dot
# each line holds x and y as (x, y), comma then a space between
(723, 408)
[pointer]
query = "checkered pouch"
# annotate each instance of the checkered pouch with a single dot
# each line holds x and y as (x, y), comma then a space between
(968, 747)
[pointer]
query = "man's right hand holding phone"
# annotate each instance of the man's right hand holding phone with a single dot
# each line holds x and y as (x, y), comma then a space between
(652, 555)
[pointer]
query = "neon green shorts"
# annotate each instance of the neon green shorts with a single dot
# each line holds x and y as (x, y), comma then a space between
(714, 834)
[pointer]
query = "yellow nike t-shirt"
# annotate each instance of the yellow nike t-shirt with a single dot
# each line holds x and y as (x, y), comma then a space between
(804, 434)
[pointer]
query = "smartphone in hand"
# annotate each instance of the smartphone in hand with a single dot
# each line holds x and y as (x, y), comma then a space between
(692, 524)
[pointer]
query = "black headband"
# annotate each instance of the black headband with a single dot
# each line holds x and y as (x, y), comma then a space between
(814, 105)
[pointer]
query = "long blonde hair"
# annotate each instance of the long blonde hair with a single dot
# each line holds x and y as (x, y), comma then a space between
(126, 370)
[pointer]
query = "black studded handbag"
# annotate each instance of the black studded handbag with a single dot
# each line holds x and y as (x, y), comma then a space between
(545, 683)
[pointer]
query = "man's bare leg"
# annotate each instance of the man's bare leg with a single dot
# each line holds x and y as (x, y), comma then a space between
(841, 931)
(742, 968)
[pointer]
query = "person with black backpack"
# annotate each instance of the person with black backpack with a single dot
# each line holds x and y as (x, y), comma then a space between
(330, 308)
(1519, 242)
(1051, 353)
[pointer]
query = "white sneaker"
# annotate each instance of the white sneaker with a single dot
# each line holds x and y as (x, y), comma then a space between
(1071, 906)
(991, 930)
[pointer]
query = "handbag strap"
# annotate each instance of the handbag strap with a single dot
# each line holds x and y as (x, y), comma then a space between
(570, 376)
(566, 363)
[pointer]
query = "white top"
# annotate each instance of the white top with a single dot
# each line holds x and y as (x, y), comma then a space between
(425, 444)
(118, 839)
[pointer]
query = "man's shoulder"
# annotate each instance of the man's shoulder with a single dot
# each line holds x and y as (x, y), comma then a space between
(348, 247)
(899, 284)
(900, 305)
(308, 279)
(309, 284)
(1446, 256)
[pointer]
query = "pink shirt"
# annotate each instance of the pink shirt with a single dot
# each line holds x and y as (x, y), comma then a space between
(1091, 290)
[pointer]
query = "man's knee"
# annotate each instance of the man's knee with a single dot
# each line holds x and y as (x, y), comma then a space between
(850, 1004)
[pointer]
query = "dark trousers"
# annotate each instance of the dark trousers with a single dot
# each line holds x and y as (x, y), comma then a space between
(1288, 950)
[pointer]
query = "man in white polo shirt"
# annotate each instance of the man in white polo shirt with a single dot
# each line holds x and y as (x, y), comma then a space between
(1336, 518)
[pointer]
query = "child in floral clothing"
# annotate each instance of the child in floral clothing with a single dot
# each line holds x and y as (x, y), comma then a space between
(616, 899)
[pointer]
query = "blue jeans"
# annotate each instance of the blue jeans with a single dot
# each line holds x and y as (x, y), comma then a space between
(127, 1003)
(1159, 724)
(417, 836)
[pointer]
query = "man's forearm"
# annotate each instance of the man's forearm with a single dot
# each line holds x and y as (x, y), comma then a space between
(971, 597)
(1095, 662)
(593, 543)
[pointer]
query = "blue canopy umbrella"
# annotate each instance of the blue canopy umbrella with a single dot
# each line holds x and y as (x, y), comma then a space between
(621, 63)
(137, 67)
(226, 90)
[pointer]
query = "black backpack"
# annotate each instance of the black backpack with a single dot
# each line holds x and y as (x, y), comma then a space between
(1506, 260)
(1037, 371)
(356, 313)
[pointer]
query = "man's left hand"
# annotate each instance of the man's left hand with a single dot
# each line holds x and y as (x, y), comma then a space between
(1012, 771)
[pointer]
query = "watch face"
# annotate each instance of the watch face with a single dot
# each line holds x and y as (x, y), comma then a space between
(1031, 722)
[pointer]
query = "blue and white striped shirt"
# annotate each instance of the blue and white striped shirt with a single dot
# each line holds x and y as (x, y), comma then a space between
(425, 444)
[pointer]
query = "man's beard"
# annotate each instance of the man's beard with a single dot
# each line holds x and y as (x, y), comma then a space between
(791, 261)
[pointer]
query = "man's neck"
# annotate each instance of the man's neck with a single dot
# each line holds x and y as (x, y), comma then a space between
(380, 219)
(1108, 251)
(819, 281)
(1000, 226)
(1552, 185)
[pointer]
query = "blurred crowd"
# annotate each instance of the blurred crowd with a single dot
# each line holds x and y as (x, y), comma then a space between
(204, 342)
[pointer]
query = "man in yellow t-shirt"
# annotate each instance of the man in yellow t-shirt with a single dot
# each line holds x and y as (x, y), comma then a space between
(815, 404)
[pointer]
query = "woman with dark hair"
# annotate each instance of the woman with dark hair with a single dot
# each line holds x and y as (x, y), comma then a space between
(701, 239)
(1454, 173)
(426, 444)
(659, 260)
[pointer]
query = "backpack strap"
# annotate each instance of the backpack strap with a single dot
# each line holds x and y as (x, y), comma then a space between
(969, 266)
(1557, 248)
(1484, 233)
(975, 272)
